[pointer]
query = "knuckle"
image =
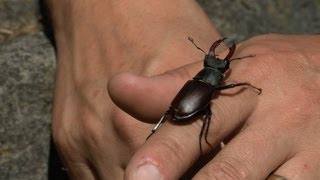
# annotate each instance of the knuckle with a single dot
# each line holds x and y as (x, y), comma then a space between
(84, 127)
(60, 132)
(264, 63)
(59, 139)
(227, 169)
(91, 128)
(301, 109)
(303, 102)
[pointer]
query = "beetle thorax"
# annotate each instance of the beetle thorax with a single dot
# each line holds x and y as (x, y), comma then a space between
(210, 75)
(216, 63)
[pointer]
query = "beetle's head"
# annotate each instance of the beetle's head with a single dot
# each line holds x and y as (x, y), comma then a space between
(211, 59)
(216, 63)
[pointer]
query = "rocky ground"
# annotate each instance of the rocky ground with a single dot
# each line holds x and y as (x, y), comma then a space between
(27, 63)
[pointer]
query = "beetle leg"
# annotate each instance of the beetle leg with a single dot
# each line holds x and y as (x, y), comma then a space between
(200, 136)
(229, 86)
(207, 121)
(205, 128)
(162, 120)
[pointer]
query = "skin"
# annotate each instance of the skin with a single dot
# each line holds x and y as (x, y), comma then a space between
(276, 130)
(91, 48)
(103, 51)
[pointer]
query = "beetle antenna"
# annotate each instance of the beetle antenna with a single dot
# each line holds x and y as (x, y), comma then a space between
(192, 41)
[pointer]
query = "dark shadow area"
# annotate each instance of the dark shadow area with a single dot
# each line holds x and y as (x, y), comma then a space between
(45, 20)
(55, 166)
(202, 161)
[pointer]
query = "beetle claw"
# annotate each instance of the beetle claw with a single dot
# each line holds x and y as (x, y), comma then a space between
(214, 46)
(231, 51)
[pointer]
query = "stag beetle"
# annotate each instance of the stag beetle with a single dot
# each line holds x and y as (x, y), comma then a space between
(194, 99)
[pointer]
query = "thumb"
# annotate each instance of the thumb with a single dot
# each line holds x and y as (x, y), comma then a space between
(147, 98)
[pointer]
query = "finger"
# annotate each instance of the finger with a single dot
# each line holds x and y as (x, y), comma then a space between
(168, 155)
(173, 149)
(137, 95)
(276, 177)
(171, 158)
(305, 165)
(252, 154)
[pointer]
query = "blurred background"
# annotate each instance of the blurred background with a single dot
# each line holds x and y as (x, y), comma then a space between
(27, 64)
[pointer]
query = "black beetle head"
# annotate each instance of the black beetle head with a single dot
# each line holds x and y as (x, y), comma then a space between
(216, 63)
(211, 59)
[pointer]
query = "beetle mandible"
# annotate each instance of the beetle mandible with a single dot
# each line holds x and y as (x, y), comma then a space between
(194, 99)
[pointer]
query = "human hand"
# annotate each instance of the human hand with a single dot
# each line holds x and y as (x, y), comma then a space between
(94, 137)
(275, 132)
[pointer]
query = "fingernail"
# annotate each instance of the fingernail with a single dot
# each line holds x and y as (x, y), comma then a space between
(146, 172)
(276, 177)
